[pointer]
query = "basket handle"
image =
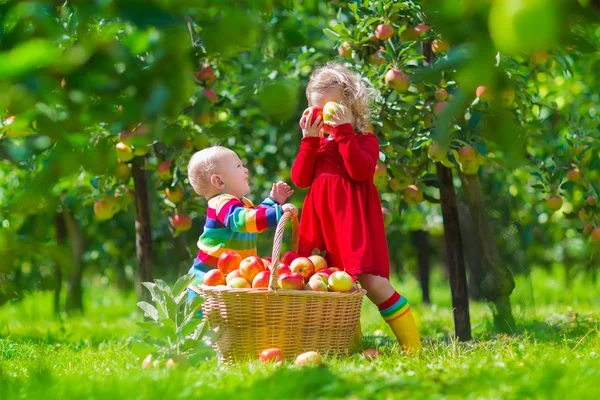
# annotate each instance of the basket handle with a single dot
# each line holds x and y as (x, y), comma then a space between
(277, 241)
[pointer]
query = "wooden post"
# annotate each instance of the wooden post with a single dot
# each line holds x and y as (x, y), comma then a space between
(143, 228)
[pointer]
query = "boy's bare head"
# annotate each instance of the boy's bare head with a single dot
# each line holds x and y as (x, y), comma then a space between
(216, 170)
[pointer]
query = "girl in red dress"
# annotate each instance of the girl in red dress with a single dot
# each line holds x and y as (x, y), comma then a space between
(342, 211)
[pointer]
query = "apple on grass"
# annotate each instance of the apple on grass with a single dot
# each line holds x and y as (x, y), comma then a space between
(292, 281)
(319, 262)
(274, 355)
(229, 261)
(214, 277)
(261, 280)
(303, 266)
(340, 281)
(370, 354)
(309, 358)
(250, 267)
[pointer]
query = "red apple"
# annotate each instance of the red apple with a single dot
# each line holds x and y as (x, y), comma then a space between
(412, 195)
(214, 277)
(441, 94)
(483, 93)
(174, 194)
(266, 263)
(378, 58)
(261, 280)
(124, 152)
(587, 229)
(250, 267)
(340, 281)
(320, 276)
(554, 203)
(269, 259)
(595, 235)
(421, 29)
(384, 31)
(232, 275)
(292, 281)
(439, 107)
(283, 269)
(319, 262)
(229, 261)
(239, 283)
(303, 266)
(288, 257)
(316, 112)
(317, 285)
(370, 354)
(397, 80)
(440, 46)
(328, 271)
(210, 95)
(272, 355)
(309, 358)
(206, 76)
(181, 222)
(164, 170)
(591, 201)
(574, 174)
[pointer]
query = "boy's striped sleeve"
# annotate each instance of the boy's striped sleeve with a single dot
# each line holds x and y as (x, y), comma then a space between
(234, 214)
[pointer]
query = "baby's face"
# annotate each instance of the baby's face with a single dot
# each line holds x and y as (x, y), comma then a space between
(319, 99)
(234, 175)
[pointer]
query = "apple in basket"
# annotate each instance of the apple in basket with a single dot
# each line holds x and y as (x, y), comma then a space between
(319, 262)
(309, 358)
(233, 274)
(229, 261)
(284, 269)
(291, 281)
(327, 271)
(214, 277)
(340, 281)
(289, 257)
(317, 283)
(261, 280)
(267, 263)
(239, 283)
(250, 266)
(271, 355)
(303, 266)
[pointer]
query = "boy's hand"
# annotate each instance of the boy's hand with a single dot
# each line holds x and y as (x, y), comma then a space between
(339, 116)
(281, 191)
(308, 129)
(290, 208)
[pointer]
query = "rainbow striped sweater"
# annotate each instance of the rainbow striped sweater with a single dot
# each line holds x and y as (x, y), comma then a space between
(232, 224)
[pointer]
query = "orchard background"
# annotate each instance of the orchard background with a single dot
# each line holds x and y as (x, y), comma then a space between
(487, 116)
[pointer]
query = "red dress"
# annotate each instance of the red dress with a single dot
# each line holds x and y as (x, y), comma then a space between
(342, 211)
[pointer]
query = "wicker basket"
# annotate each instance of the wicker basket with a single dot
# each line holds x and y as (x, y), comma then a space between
(251, 320)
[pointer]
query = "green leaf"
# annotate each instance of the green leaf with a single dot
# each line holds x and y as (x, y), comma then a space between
(27, 57)
(568, 185)
(149, 310)
(141, 349)
(331, 34)
(191, 309)
(182, 283)
(430, 198)
(153, 328)
(162, 285)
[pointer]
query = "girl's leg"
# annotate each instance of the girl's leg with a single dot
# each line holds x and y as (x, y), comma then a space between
(393, 308)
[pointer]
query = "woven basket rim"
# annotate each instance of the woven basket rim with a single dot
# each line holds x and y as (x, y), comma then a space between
(199, 289)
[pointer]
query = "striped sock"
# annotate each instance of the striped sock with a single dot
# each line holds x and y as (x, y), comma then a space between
(394, 307)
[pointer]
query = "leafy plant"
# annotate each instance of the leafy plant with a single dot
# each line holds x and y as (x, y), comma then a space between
(172, 330)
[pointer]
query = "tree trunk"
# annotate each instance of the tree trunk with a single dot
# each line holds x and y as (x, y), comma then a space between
(143, 228)
(498, 282)
(181, 251)
(421, 244)
(454, 249)
(61, 237)
(75, 293)
(472, 250)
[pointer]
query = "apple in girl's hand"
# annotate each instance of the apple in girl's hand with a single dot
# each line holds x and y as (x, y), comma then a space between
(261, 280)
(329, 110)
(288, 257)
(319, 262)
(250, 266)
(292, 281)
(233, 274)
(340, 281)
(238, 283)
(309, 358)
(229, 261)
(316, 112)
(213, 277)
(303, 266)
(272, 355)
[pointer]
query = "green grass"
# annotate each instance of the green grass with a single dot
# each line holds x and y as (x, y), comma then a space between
(555, 353)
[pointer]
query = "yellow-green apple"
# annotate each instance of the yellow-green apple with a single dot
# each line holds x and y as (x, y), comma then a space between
(292, 281)
(397, 80)
(181, 222)
(345, 50)
(206, 76)
(141, 150)
(174, 194)
(412, 195)
(124, 152)
(467, 159)
(103, 210)
(330, 110)
(229, 261)
(574, 175)
(232, 275)
(164, 170)
(238, 283)
(340, 281)
(384, 31)
(436, 152)
(378, 58)
(554, 203)
(441, 94)
(272, 355)
(122, 172)
(309, 358)
(380, 171)
(288, 257)
(595, 235)
(439, 46)
(261, 280)
(316, 285)
(320, 276)
(539, 58)
(250, 266)
(214, 277)
(303, 266)
(421, 29)
(318, 261)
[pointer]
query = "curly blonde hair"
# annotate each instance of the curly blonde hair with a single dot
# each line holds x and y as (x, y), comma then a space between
(203, 165)
(357, 92)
